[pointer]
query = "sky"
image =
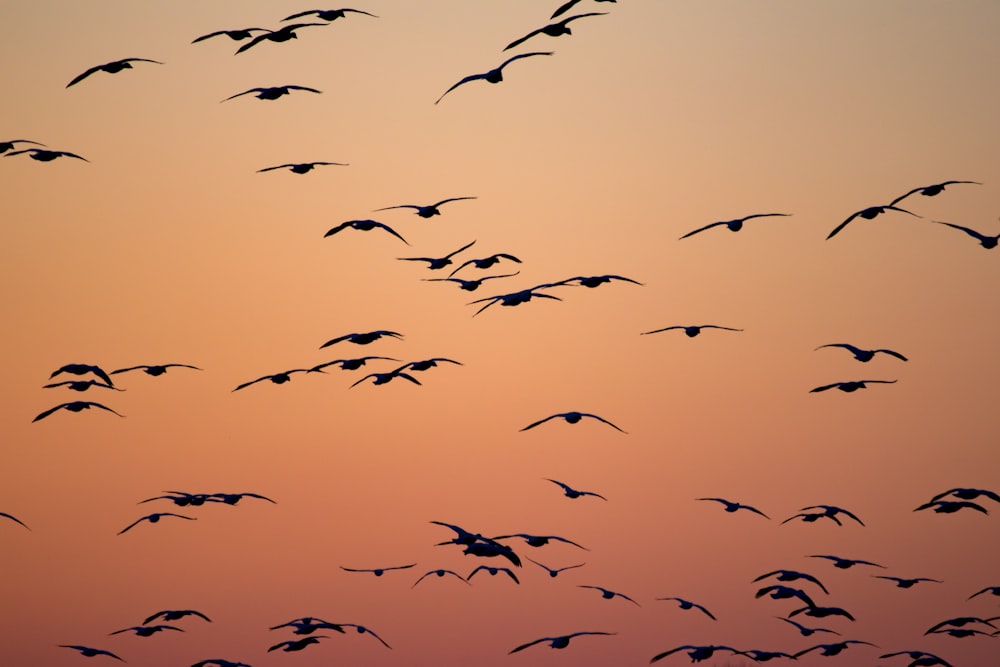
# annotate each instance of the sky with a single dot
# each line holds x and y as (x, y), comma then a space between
(168, 245)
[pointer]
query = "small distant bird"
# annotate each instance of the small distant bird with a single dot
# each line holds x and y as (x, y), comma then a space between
(175, 615)
(951, 506)
(237, 35)
(803, 630)
(494, 75)
(596, 281)
(383, 378)
(219, 662)
(362, 338)
(539, 540)
(864, 355)
(43, 155)
(687, 604)
(609, 594)
(441, 573)
(364, 226)
(906, 583)
(792, 575)
(868, 214)
(571, 418)
(363, 630)
(570, 492)
(822, 612)
(847, 563)
(696, 653)
(89, 652)
(82, 369)
(569, 5)
(833, 511)
(435, 263)
(965, 493)
(961, 633)
(554, 571)
(303, 167)
(992, 590)
(516, 298)
(378, 571)
(308, 625)
(733, 225)
(181, 499)
(832, 649)
(485, 262)
(851, 385)
(112, 67)
(9, 145)
(297, 644)
(731, 506)
(493, 572)
(154, 370)
(778, 592)
(553, 29)
(427, 364)
(348, 364)
(14, 519)
(691, 331)
(985, 240)
(146, 630)
(427, 211)
(470, 285)
(930, 190)
(962, 621)
(154, 518)
(80, 385)
(920, 658)
(282, 34)
(561, 641)
(276, 378)
(235, 498)
(74, 406)
(765, 656)
(327, 14)
(272, 93)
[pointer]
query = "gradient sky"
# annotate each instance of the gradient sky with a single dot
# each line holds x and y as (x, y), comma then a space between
(648, 122)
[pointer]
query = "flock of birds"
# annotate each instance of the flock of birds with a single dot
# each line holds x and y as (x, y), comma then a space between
(477, 544)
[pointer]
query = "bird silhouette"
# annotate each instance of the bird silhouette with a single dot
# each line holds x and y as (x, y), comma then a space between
(792, 575)
(691, 331)
(609, 594)
(327, 14)
(966, 493)
(596, 281)
(516, 298)
(297, 644)
(82, 369)
(833, 512)
(235, 498)
(832, 649)
(951, 506)
(74, 406)
(562, 641)
(80, 385)
(803, 630)
(919, 658)
(9, 145)
(985, 240)
(847, 563)
(175, 615)
(273, 92)
(991, 590)
(779, 592)
(308, 625)
(435, 263)
(365, 338)
(565, 7)
(427, 364)
(733, 225)
(864, 355)
(539, 540)
(89, 652)
(181, 499)
(493, 572)
(571, 418)
(868, 214)
(112, 67)
(731, 506)
(440, 573)
(42, 155)
(348, 364)
(426, 211)
(570, 492)
(219, 662)
(470, 285)
(146, 630)
(930, 190)
(378, 571)
(687, 604)
(494, 75)
(821, 612)
(554, 571)
(153, 518)
(906, 583)
(364, 226)
(282, 34)
(485, 262)
(962, 621)
(850, 385)
(237, 35)
(383, 378)
(303, 167)
(276, 378)
(553, 29)
(14, 519)
(155, 370)
(696, 653)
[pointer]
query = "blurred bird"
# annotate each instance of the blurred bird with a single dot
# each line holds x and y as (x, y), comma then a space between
(440, 573)
(277, 378)
(364, 226)
(43, 155)
(112, 67)
(850, 386)
(74, 406)
(348, 364)
(868, 214)
(327, 14)
(494, 75)
(570, 492)
(571, 418)
(435, 263)
(80, 385)
(986, 241)
(303, 167)
(516, 298)
(803, 630)
(962, 621)
(992, 590)
(906, 583)
(778, 592)
(847, 563)
(378, 571)
(561, 641)
(82, 369)
(362, 338)
(608, 594)
(961, 633)
(237, 35)
(175, 615)
(427, 364)
(154, 370)
(951, 506)
(485, 262)
(89, 652)
(272, 93)
(9, 145)
(554, 572)
(308, 625)
(965, 493)
(282, 34)
(14, 519)
(863, 355)
(687, 604)
(731, 506)
(539, 540)
(383, 378)
(181, 499)
(235, 498)
(792, 575)
(146, 630)
(733, 225)
(428, 211)
(553, 29)
(696, 653)
(919, 658)
(930, 190)
(822, 612)
(470, 285)
(691, 331)
(830, 511)
(154, 518)
(565, 7)
(596, 281)
(493, 572)
(832, 649)
(297, 644)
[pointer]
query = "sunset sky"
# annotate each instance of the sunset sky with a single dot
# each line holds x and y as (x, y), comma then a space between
(646, 123)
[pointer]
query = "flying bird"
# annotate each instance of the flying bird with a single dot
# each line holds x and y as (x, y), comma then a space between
(539, 540)
(362, 338)
(570, 492)
(831, 511)
(792, 575)
(303, 167)
(554, 571)
(803, 630)
(930, 190)
(89, 652)
(9, 145)
(427, 211)
(237, 35)
(175, 615)
(569, 5)
(282, 34)
(733, 225)
(562, 641)
(364, 226)
(571, 418)
(847, 563)
(691, 331)
(181, 499)
(919, 658)
(850, 386)
(864, 355)
(235, 498)
(14, 519)
(327, 14)
(470, 285)
(951, 506)
(383, 378)
(440, 573)
(731, 506)
(272, 93)
(596, 281)
(378, 571)
(43, 155)
(962, 621)
(965, 493)
(308, 624)
(112, 67)
(74, 406)
(494, 75)
(553, 29)
(485, 262)
(778, 592)
(608, 594)
(822, 612)
(82, 369)
(906, 583)
(297, 644)
(516, 298)
(146, 630)
(832, 649)
(992, 590)
(985, 240)
(276, 378)
(493, 572)
(868, 214)
(154, 518)
(696, 653)
(80, 385)
(427, 364)
(154, 370)
(348, 364)
(435, 263)
(687, 604)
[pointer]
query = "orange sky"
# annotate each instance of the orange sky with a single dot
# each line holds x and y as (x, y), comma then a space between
(646, 123)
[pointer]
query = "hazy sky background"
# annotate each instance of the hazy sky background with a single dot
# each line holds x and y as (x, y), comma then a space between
(648, 122)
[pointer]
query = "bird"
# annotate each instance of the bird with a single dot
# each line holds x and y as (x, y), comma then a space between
(966, 493)
(276, 378)
(516, 298)
(155, 370)
(303, 167)
(237, 35)
(494, 75)
(440, 573)
(378, 571)
(427, 364)
(765, 656)
(272, 93)
(596, 281)
(327, 14)
(930, 190)
(868, 214)
(691, 331)
(687, 604)
(363, 630)
(74, 406)
(553, 29)
(14, 519)
(960, 633)
(154, 518)
(9, 145)
(778, 592)
(470, 285)
(42, 155)
(570, 492)
(919, 658)
(112, 67)
(731, 506)
(80, 385)
(82, 369)
(733, 225)
(822, 612)
(219, 662)
(992, 590)
(364, 226)
(554, 572)
(89, 652)
(571, 418)
(235, 498)
(850, 386)
(282, 34)
(569, 5)
(864, 355)
(847, 563)
(608, 594)
(462, 536)
(696, 653)
(146, 630)
(792, 575)
(175, 615)
(348, 364)
(485, 262)
(383, 378)
(906, 583)
(365, 338)
(181, 499)
(492, 549)
(493, 572)
(426, 211)
(985, 240)
(562, 641)
(435, 263)
(833, 511)
(951, 506)
(297, 644)
(308, 624)
(803, 630)
(962, 621)
(832, 649)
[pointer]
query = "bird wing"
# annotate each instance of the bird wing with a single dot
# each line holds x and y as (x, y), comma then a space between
(701, 229)
(471, 77)
(455, 252)
(14, 518)
(247, 384)
(342, 226)
(253, 42)
(83, 76)
(445, 201)
(391, 231)
(836, 230)
(565, 7)
(245, 92)
(902, 197)
(971, 232)
(892, 353)
(311, 90)
(387, 208)
(524, 55)
(49, 412)
(598, 417)
(209, 36)
(133, 524)
(540, 421)
(524, 646)
(824, 387)
(523, 39)
(660, 330)
(301, 14)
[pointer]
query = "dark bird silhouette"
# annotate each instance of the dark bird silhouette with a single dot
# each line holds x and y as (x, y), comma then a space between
(235, 498)
(470, 285)
(986, 241)
(765, 656)
(493, 572)
(553, 29)
(906, 583)
(273, 92)
(308, 625)
(364, 226)
(539, 540)
(992, 590)
(930, 190)
(146, 630)
(494, 75)
(237, 35)
(733, 225)
(687, 604)
(276, 378)
(961, 633)
(831, 511)
(832, 649)
(850, 385)
(847, 563)
(303, 167)
(112, 67)
(282, 34)
(868, 214)
(153, 518)
(14, 519)
(327, 14)
(462, 536)
(565, 7)
(435, 263)
(9, 145)
(428, 211)
(181, 499)
(348, 364)
(485, 262)
(219, 662)
(43, 155)
(691, 331)
(154, 370)
(965, 493)
(596, 281)
(383, 378)
(792, 575)
(962, 621)
(89, 652)
(778, 592)
(82, 369)
(492, 549)
(570, 492)
(297, 644)
(951, 506)
(571, 418)
(362, 338)
(74, 406)
(920, 658)
(731, 506)
(562, 641)
(175, 615)
(864, 355)
(803, 630)
(554, 571)
(822, 612)
(516, 298)
(427, 364)
(80, 385)
(362, 630)
(609, 594)
(378, 571)
(441, 573)
(696, 653)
